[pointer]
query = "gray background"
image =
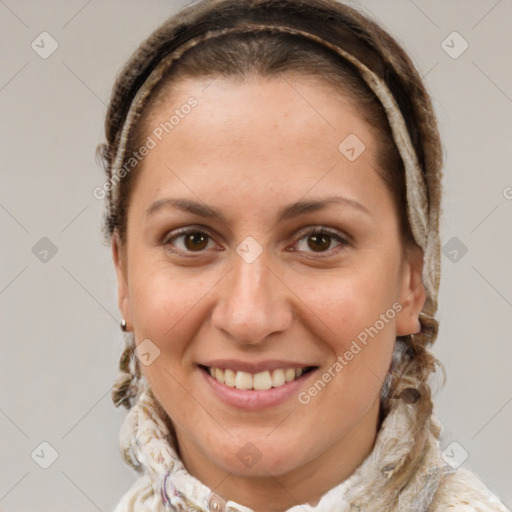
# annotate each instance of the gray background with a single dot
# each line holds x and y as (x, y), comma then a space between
(59, 319)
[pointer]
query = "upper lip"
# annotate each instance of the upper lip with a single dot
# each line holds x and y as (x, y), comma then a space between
(253, 366)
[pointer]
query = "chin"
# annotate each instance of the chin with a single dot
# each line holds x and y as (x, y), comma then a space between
(255, 456)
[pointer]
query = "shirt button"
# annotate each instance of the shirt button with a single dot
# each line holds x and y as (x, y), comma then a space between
(216, 503)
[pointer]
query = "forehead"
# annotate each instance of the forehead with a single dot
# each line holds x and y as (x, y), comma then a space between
(287, 135)
(292, 103)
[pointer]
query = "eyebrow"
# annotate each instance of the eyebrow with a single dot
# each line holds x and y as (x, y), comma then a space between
(291, 211)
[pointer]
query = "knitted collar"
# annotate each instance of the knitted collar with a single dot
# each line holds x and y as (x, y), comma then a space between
(402, 473)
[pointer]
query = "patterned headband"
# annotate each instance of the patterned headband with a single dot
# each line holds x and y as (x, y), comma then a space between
(417, 202)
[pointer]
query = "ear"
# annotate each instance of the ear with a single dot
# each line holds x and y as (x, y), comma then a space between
(412, 293)
(123, 297)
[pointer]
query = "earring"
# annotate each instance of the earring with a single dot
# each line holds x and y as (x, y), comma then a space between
(123, 325)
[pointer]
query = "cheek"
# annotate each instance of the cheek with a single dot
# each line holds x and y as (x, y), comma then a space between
(162, 299)
(358, 311)
(350, 304)
(166, 309)
(163, 305)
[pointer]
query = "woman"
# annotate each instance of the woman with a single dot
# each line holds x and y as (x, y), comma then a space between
(273, 179)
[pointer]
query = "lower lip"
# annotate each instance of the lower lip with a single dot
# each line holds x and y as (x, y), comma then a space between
(250, 399)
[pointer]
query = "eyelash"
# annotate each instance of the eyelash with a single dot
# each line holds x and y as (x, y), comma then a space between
(304, 234)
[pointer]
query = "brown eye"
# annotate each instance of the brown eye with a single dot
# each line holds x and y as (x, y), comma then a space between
(189, 240)
(195, 241)
(321, 241)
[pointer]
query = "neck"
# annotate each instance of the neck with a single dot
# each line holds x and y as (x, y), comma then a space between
(304, 484)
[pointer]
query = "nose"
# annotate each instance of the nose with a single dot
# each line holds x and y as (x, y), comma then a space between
(252, 302)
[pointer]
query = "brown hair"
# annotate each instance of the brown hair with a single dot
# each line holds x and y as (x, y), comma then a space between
(240, 55)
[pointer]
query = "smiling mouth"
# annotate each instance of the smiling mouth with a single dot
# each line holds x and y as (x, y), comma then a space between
(260, 381)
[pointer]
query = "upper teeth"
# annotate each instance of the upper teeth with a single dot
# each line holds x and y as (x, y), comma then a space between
(259, 381)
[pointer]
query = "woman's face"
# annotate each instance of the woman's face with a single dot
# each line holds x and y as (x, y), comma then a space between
(222, 269)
